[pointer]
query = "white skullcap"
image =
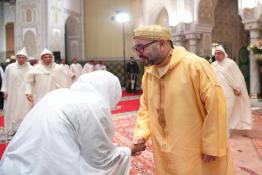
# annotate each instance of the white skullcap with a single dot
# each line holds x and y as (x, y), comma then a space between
(221, 49)
(22, 52)
(46, 51)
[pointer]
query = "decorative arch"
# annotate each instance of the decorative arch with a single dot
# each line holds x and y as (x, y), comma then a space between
(72, 38)
(162, 18)
(30, 43)
(160, 11)
(72, 25)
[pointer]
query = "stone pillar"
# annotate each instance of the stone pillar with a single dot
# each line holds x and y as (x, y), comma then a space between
(193, 45)
(255, 28)
(254, 67)
(178, 40)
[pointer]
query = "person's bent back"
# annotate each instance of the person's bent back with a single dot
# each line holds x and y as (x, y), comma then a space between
(70, 132)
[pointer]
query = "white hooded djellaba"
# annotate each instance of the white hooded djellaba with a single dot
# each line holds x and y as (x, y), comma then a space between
(16, 106)
(45, 78)
(70, 132)
(231, 78)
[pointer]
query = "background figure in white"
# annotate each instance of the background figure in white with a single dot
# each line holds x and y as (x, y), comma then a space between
(102, 65)
(33, 61)
(44, 77)
(70, 132)
(75, 69)
(88, 67)
(66, 70)
(97, 66)
(16, 106)
(234, 86)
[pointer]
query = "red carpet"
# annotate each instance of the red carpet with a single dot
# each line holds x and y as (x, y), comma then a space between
(125, 94)
(1, 121)
(2, 146)
(126, 106)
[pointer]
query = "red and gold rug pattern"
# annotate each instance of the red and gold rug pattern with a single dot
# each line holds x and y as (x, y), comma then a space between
(142, 164)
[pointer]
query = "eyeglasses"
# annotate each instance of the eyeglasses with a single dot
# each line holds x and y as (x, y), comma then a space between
(141, 47)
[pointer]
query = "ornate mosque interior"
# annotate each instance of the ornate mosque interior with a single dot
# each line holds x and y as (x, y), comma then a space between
(87, 29)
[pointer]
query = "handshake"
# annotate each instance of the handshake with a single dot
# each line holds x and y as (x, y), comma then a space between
(138, 146)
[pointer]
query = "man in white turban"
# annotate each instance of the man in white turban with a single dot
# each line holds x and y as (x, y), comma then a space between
(70, 132)
(44, 77)
(234, 86)
(16, 106)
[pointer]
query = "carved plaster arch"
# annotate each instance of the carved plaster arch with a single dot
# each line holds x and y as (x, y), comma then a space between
(72, 38)
(162, 18)
(155, 12)
(72, 25)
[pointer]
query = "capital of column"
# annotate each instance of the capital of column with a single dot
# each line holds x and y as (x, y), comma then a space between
(179, 38)
(193, 36)
(253, 25)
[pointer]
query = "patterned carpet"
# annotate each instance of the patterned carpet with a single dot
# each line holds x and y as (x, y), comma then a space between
(142, 164)
(247, 156)
(246, 147)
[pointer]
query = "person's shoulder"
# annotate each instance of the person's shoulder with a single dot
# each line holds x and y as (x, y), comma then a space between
(10, 66)
(195, 60)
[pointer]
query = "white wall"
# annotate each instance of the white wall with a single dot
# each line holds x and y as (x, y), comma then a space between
(72, 5)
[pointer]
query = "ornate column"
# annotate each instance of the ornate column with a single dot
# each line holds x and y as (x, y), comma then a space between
(193, 45)
(178, 40)
(254, 28)
(254, 67)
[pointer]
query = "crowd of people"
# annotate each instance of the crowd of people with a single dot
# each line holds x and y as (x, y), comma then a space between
(187, 109)
(26, 80)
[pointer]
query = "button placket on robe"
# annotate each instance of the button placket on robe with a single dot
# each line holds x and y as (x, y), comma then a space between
(160, 111)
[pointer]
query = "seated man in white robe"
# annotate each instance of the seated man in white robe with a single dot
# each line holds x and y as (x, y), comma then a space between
(70, 132)
(45, 77)
(234, 87)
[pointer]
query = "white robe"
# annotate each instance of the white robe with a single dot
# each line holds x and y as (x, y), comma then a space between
(67, 72)
(43, 79)
(16, 105)
(230, 77)
(70, 132)
(76, 70)
(88, 68)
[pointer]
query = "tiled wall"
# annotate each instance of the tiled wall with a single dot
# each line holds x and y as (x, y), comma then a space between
(117, 68)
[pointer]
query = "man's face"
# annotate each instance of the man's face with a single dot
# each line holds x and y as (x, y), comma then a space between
(21, 59)
(148, 52)
(75, 60)
(47, 59)
(219, 55)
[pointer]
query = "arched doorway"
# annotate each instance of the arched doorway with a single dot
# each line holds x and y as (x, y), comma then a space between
(228, 28)
(162, 18)
(30, 43)
(222, 19)
(10, 40)
(72, 39)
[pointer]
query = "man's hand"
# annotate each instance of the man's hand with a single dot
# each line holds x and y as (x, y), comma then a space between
(29, 97)
(208, 158)
(5, 96)
(138, 146)
(237, 92)
(73, 76)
